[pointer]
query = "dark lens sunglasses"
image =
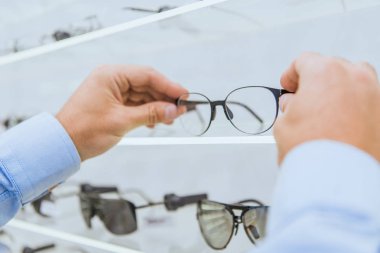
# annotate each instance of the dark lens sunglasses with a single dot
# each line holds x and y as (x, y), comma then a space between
(218, 221)
(49, 197)
(119, 215)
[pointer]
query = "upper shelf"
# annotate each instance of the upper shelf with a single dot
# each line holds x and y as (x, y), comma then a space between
(260, 14)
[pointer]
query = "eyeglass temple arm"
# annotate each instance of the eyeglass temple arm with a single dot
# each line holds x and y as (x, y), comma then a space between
(248, 109)
(39, 249)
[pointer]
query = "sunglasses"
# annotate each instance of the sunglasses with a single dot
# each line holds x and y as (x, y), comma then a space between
(38, 204)
(218, 221)
(251, 109)
(119, 215)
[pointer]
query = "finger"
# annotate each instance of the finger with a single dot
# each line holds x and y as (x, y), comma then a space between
(369, 68)
(302, 65)
(285, 100)
(159, 83)
(139, 97)
(289, 79)
(141, 79)
(152, 113)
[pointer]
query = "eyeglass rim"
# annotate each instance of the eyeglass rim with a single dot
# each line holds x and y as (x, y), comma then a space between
(209, 103)
(275, 92)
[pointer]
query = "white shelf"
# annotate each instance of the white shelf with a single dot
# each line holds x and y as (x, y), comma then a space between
(30, 53)
(163, 141)
(43, 230)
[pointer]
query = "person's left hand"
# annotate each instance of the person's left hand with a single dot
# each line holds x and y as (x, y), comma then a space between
(114, 100)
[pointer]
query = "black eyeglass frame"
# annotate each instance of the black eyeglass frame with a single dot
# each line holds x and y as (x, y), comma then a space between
(277, 93)
(237, 219)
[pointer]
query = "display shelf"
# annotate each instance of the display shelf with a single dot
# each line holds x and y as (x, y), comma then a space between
(106, 32)
(72, 238)
(162, 141)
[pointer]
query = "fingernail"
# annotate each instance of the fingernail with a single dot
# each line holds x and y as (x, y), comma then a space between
(170, 112)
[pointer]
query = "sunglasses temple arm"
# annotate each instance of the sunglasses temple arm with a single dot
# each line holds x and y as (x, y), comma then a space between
(87, 188)
(173, 202)
(139, 193)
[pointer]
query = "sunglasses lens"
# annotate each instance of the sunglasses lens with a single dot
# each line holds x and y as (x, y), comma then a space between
(216, 224)
(86, 209)
(254, 222)
(197, 113)
(251, 110)
(119, 216)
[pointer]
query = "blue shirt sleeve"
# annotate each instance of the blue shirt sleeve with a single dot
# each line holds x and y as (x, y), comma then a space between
(35, 156)
(326, 200)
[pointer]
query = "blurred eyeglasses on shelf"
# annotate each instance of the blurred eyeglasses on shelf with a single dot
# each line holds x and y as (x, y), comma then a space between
(88, 24)
(117, 213)
(251, 110)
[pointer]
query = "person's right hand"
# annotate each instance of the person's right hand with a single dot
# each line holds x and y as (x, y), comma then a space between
(334, 99)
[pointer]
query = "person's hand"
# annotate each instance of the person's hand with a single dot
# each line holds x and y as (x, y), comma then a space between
(114, 100)
(334, 99)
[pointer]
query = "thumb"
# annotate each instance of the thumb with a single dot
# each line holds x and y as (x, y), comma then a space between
(285, 100)
(153, 113)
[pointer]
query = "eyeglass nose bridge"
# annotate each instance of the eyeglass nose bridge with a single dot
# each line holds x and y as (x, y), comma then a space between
(226, 110)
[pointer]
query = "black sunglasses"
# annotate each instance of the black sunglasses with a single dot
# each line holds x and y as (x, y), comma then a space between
(218, 221)
(119, 215)
(251, 109)
(37, 204)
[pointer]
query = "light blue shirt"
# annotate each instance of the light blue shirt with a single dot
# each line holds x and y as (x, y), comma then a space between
(34, 157)
(326, 200)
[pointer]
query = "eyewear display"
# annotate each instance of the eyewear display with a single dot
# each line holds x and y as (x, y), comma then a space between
(218, 221)
(11, 121)
(251, 109)
(119, 215)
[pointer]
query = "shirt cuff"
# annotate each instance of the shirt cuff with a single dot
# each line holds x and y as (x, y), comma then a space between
(37, 155)
(321, 175)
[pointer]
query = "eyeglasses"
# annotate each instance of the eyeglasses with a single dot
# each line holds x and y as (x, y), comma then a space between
(251, 110)
(218, 221)
(119, 215)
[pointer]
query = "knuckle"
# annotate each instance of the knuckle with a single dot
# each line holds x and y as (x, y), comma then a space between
(333, 65)
(152, 115)
(101, 69)
(362, 75)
